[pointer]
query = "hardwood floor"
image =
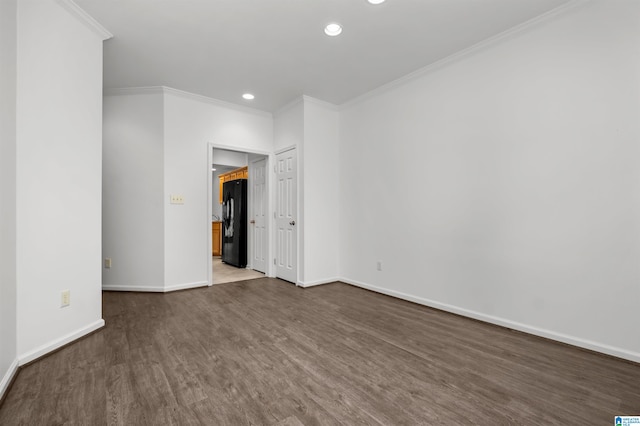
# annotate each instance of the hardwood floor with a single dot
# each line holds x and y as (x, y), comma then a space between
(264, 352)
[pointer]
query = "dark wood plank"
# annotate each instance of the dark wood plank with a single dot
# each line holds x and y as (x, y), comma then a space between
(264, 352)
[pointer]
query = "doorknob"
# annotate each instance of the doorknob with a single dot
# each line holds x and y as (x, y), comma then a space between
(252, 221)
(293, 222)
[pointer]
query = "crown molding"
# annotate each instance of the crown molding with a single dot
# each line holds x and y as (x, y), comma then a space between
(86, 19)
(320, 102)
(154, 90)
(128, 91)
(217, 102)
(289, 105)
(469, 51)
(309, 99)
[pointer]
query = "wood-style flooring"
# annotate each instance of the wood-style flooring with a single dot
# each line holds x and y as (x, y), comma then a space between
(264, 352)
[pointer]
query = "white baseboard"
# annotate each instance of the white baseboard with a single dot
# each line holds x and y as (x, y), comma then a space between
(8, 377)
(307, 284)
(155, 289)
(176, 287)
(55, 344)
(571, 340)
(133, 288)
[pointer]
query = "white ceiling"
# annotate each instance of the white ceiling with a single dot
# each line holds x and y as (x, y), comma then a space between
(277, 50)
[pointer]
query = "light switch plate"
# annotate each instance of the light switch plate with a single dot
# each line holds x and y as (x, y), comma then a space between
(176, 199)
(65, 298)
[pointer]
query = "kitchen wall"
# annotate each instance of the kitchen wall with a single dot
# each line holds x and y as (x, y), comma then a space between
(511, 189)
(58, 174)
(8, 301)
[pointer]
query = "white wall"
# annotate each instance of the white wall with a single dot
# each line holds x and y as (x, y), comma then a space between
(288, 126)
(230, 158)
(59, 156)
(190, 125)
(311, 126)
(8, 44)
(156, 145)
(319, 214)
(511, 186)
(133, 191)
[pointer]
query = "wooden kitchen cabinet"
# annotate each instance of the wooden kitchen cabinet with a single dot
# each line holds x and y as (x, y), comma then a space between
(216, 231)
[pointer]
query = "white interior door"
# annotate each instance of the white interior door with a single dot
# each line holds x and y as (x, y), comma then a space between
(286, 212)
(258, 221)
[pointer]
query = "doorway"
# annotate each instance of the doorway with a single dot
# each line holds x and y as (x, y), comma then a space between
(224, 160)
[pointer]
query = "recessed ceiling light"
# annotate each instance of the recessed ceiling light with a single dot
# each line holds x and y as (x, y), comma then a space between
(248, 96)
(333, 29)
(375, 1)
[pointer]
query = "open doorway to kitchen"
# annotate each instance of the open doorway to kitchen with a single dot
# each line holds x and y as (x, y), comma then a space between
(238, 204)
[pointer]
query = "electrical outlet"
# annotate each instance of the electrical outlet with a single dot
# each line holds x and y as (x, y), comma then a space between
(176, 199)
(379, 265)
(107, 262)
(65, 298)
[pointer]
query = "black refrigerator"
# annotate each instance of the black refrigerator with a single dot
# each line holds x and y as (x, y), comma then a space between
(234, 223)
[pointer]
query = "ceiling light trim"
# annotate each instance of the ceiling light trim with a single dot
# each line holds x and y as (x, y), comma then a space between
(462, 54)
(86, 19)
(333, 29)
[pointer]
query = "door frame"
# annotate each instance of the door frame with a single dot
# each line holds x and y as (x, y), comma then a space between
(270, 270)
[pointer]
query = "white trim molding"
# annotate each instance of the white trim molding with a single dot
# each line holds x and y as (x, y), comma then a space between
(471, 50)
(86, 19)
(55, 344)
(185, 286)
(149, 90)
(155, 289)
(128, 91)
(320, 102)
(148, 289)
(286, 107)
(8, 378)
(307, 284)
(548, 334)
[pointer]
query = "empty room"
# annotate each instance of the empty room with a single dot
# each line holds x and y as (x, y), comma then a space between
(319, 212)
